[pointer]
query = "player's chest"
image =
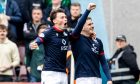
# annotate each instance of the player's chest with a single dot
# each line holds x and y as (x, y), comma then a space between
(92, 46)
(60, 40)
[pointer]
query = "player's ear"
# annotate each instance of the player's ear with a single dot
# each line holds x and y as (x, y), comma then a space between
(54, 21)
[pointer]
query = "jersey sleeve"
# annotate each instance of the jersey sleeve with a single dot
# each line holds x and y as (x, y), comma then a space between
(103, 61)
(43, 37)
(80, 24)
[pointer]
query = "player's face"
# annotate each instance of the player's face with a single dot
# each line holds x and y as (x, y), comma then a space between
(3, 33)
(75, 11)
(120, 43)
(60, 20)
(37, 15)
(88, 27)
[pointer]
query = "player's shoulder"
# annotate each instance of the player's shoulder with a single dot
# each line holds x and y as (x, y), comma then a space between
(46, 33)
(48, 30)
(99, 40)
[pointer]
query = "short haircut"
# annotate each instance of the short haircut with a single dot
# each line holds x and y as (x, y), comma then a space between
(36, 8)
(89, 18)
(3, 27)
(76, 4)
(53, 14)
(40, 26)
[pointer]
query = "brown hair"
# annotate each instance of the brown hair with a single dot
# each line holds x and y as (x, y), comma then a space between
(89, 18)
(54, 14)
(41, 26)
(3, 27)
(36, 8)
(76, 4)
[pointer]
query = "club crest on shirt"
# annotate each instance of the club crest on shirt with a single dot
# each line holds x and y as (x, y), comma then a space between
(42, 35)
(94, 49)
(65, 34)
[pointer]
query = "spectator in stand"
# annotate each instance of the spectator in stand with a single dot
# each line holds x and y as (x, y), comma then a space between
(11, 10)
(29, 5)
(9, 56)
(30, 32)
(37, 59)
(124, 67)
(66, 3)
(75, 13)
(54, 6)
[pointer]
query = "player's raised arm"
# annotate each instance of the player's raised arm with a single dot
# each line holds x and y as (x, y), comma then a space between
(82, 20)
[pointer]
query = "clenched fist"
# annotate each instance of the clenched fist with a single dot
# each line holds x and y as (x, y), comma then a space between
(91, 6)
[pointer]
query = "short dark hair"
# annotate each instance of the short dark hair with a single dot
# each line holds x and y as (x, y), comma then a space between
(76, 4)
(89, 18)
(3, 27)
(54, 14)
(36, 8)
(40, 26)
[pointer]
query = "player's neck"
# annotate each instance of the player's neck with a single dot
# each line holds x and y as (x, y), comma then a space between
(57, 27)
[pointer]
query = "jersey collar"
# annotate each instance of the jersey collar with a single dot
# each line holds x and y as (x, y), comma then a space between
(58, 29)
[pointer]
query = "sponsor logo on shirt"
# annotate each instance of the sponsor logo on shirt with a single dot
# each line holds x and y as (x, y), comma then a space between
(64, 43)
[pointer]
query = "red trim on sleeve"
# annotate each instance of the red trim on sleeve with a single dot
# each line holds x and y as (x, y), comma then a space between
(41, 39)
(57, 29)
(101, 53)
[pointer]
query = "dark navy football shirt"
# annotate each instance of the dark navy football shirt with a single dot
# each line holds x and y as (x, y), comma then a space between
(88, 55)
(56, 45)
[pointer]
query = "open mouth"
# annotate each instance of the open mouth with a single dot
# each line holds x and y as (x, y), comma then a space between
(66, 25)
